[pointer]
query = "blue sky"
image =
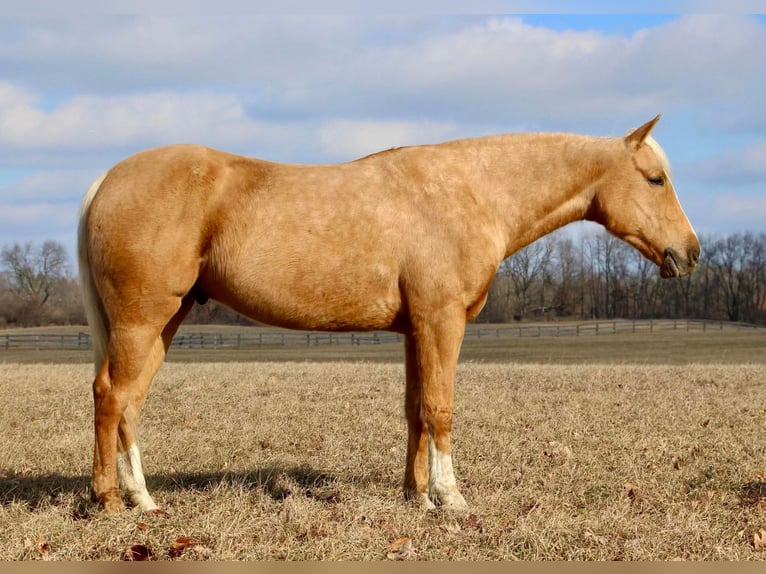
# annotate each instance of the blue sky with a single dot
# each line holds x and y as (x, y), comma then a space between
(79, 93)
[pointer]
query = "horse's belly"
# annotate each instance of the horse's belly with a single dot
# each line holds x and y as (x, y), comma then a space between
(315, 298)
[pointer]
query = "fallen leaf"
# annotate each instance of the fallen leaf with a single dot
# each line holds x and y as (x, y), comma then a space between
(138, 553)
(42, 545)
(142, 526)
(178, 546)
(401, 549)
(759, 541)
(632, 491)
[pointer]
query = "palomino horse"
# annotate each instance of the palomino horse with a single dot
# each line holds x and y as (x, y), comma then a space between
(406, 240)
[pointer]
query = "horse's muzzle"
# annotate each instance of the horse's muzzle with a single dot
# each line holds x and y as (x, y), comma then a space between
(676, 265)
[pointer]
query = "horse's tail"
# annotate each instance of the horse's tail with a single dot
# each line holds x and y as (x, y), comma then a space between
(94, 308)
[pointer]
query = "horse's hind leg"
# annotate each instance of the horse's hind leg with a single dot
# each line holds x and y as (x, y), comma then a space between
(133, 357)
(116, 383)
(129, 468)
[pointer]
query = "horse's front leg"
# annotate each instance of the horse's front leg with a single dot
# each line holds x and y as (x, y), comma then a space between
(416, 469)
(437, 341)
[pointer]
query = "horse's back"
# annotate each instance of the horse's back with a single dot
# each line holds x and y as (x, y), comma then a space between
(322, 247)
(283, 243)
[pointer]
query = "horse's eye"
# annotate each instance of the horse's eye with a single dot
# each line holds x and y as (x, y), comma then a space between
(659, 181)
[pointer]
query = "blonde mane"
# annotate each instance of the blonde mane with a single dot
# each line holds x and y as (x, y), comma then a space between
(659, 152)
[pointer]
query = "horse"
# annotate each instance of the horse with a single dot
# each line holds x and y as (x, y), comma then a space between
(406, 240)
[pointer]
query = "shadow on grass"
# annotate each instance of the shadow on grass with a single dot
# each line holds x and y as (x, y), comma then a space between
(40, 490)
(278, 481)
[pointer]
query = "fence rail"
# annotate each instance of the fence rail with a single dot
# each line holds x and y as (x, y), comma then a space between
(278, 338)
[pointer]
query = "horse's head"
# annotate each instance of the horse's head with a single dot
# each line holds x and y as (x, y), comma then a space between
(635, 200)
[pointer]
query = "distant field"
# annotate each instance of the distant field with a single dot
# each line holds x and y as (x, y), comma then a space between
(663, 346)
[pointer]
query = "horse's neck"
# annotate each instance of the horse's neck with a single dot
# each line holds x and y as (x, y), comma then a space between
(541, 182)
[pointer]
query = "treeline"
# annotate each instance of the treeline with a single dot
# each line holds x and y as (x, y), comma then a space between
(601, 277)
(595, 277)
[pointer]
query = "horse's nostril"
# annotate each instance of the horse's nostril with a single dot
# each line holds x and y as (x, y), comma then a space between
(694, 255)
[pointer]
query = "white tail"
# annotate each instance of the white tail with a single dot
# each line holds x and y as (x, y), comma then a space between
(94, 310)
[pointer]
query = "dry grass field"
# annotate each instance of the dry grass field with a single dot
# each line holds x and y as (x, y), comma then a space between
(609, 448)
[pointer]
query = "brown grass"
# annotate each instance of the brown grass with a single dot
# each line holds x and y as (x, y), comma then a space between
(303, 460)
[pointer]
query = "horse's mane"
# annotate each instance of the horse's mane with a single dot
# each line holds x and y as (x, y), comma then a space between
(657, 149)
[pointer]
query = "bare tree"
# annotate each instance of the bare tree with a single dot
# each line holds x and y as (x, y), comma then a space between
(34, 270)
(567, 290)
(524, 268)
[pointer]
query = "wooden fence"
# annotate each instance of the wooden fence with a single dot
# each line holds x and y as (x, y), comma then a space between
(280, 338)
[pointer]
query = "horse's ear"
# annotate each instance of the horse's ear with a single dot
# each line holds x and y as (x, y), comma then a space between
(637, 137)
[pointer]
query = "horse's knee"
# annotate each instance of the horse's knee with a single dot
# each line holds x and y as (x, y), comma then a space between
(438, 419)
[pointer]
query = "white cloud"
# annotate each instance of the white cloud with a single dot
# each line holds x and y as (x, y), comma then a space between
(451, 68)
(78, 94)
(93, 121)
(46, 186)
(352, 139)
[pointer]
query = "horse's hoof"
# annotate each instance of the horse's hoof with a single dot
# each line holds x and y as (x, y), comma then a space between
(113, 506)
(452, 501)
(425, 501)
(420, 499)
